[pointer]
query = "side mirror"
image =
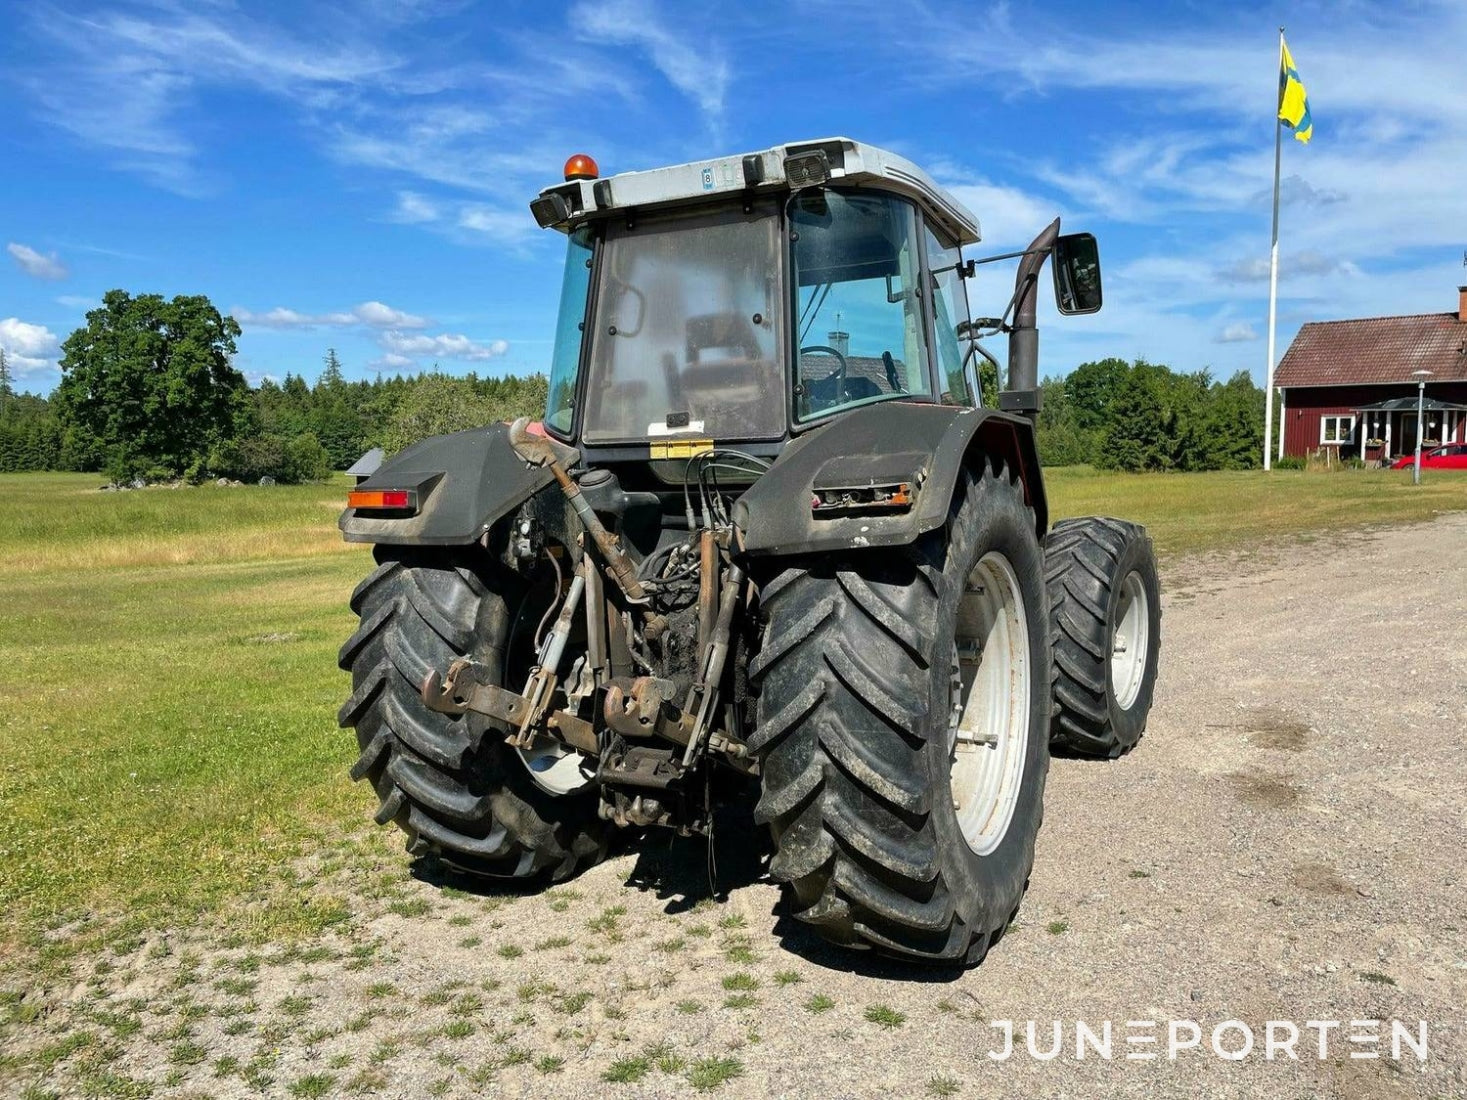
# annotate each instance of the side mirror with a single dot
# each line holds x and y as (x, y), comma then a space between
(1077, 273)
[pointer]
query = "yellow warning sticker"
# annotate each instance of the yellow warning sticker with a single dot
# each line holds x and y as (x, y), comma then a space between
(681, 448)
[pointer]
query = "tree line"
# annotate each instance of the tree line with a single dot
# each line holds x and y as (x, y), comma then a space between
(149, 390)
(1144, 416)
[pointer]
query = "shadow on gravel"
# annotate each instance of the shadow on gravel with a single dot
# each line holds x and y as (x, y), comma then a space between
(1063, 752)
(684, 870)
(802, 940)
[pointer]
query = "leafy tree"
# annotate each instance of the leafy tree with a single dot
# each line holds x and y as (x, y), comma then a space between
(151, 382)
(253, 457)
(306, 459)
(1139, 435)
(1062, 442)
(1091, 387)
(437, 404)
(1232, 426)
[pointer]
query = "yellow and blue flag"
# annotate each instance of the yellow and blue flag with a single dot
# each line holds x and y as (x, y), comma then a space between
(1293, 103)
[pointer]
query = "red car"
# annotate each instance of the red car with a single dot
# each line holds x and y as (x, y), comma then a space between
(1451, 457)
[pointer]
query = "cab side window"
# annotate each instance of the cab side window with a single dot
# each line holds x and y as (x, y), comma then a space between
(949, 309)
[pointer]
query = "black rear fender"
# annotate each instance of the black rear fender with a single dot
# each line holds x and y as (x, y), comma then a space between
(465, 483)
(897, 443)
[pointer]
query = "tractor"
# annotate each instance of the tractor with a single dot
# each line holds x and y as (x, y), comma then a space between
(766, 544)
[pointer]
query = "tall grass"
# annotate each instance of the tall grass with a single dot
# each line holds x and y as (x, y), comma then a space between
(62, 521)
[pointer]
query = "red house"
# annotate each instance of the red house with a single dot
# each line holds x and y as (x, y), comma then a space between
(1351, 386)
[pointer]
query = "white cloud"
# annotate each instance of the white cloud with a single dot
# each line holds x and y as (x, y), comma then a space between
(700, 75)
(33, 263)
(415, 346)
(1236, 333)
(378, 315)
(392, 361)
(1006, 215)
(498, 224)
(77, 301)
(371, 314)
(414, 209)
(27, 347)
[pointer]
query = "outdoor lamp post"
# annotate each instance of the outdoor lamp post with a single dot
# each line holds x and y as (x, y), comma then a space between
(1421, 376)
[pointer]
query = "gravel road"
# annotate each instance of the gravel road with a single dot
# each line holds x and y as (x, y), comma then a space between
(1286, 844)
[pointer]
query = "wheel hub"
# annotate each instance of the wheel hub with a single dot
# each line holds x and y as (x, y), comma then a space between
(1130, 641)
(989, 734)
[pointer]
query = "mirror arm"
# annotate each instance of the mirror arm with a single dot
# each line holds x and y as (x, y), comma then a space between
(971, 264)
(970, 372)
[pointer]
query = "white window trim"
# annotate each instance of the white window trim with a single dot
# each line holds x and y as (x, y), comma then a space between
(1340, 440)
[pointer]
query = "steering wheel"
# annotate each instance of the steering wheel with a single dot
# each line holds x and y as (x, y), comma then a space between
(840, 370)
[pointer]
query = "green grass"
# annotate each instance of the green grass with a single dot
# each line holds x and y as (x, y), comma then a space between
(1187, 512)
(168, 691)
(167, 700)
(707, 1074)
(627, 1071)
(886, 1016)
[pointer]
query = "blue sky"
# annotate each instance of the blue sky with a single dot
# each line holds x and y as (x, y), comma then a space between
(358, 175)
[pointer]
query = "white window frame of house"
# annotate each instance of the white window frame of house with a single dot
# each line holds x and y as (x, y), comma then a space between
(1340, 439)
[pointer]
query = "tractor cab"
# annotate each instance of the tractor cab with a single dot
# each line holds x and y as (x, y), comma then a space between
(745, 300)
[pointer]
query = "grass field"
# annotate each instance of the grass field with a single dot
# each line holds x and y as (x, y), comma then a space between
(168, 683)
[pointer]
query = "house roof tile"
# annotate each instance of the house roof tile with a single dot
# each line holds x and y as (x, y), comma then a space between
(1375, 350)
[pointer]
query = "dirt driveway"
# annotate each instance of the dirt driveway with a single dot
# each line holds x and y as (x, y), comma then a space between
(1286, 844)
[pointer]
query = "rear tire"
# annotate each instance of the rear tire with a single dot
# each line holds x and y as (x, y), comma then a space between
(861, 692)
(450, 781)
(1105, 619)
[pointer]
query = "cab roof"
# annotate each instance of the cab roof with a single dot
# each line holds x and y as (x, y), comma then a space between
(838, 161)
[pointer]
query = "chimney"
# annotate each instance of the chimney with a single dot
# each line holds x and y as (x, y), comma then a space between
(1462, 304)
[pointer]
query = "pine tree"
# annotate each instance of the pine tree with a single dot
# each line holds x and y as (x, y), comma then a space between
(6, 391)
(331, 377)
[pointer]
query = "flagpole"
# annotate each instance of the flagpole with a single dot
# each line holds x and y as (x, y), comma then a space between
(1273, 279)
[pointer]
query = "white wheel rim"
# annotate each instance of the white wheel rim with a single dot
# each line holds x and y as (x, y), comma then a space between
(990, 726)
(554, 767)
(1130, 642)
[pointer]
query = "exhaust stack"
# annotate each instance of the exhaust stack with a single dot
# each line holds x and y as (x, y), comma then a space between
(1022, 391)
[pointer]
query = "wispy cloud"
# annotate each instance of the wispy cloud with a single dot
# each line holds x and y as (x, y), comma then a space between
(1306, 262)
(700, 74)
(124, 81)
(35, 264)
(370, 314)
(414, 209)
